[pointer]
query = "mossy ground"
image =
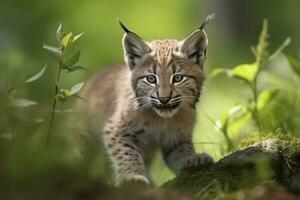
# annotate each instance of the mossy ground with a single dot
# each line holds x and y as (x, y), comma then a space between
(288, 145)
(244, 170)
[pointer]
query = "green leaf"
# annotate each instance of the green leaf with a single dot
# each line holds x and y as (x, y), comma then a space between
(222, 123)
(60, 97)
(36, 76)
(63, 94)
(245, 72)
(73, 60)
(265, 97)
(238, 124)
(234, 111)
(59, 33)
(67, 40)
(75, 68)
(76, 88)
(219, 71)
(294, 63)
(21, 102)
(78, 36)
(53, 51)
(286, 42)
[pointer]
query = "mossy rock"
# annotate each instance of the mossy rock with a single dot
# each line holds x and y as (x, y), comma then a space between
(273, 160)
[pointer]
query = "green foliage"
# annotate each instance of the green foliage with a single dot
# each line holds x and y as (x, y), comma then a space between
(261, 98)
(21, 102)
(294, 63)
(58, 53)
(54, 52)
(37, 76)
(64, 94)
(265, 97)
(246, 72)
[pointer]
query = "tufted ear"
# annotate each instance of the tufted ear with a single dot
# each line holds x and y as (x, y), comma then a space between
(194, 47)
(134, 47)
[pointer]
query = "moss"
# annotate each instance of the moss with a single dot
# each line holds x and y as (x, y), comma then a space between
(244, 169)
(287, 144)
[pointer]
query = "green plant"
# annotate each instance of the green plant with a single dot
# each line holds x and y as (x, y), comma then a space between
(58, 53)
(249, 74)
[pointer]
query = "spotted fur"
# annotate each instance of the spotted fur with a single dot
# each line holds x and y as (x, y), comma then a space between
(138, 114)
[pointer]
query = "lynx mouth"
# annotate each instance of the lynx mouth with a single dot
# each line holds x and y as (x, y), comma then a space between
(166, 111)
(166, 107)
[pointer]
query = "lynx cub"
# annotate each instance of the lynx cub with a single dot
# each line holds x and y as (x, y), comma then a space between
(150, 101)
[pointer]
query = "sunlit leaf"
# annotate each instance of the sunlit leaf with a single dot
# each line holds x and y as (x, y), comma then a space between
(59, 33)
(218, 125)
(53, 51)
(238, 124)
(76, 88)
(60, 97)
(245, 72)
(219, 71)
(233, 114)
(237, 118)
(286, 42)
(75, 68)
(222, 123)
(37, 76)
(21, 102)
(265, 97)
(294, 63)
(234, 110)
(78, 36)
(63, 94)
(73, 60)
(67, 40)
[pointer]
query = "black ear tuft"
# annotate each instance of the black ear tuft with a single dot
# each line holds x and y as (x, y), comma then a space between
(207, 20)
(134, 47)
(123, 27)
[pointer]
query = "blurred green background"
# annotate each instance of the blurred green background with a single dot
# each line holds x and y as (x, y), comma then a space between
(26, 25)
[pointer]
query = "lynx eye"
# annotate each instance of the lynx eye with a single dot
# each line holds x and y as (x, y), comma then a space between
(177, 78)
(151, 79)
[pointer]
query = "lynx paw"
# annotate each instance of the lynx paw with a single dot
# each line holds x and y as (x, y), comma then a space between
(197, 160)
(138, 179)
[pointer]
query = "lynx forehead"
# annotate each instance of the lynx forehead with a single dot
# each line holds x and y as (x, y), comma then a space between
(162, 50)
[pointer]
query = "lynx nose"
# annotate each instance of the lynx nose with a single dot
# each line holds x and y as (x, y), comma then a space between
(164, 100)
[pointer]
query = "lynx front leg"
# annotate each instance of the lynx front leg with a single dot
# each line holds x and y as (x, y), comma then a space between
(126, 157)
(181, 155)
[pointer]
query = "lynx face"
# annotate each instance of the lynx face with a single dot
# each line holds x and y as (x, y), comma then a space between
(166, 75)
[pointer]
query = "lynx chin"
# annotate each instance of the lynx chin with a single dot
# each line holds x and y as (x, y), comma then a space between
(150, 102)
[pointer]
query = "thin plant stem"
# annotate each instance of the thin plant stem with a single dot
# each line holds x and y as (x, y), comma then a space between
(255, 112)
(54, 100)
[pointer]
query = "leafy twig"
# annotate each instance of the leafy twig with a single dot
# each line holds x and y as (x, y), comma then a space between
(58, 53)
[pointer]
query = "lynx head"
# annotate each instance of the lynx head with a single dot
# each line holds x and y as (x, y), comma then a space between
(166, 75)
